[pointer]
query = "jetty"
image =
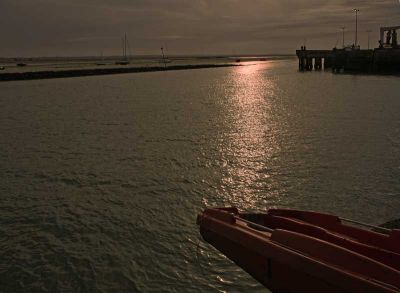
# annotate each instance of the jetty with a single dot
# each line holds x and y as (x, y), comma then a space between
(384, 59)
(101, 71)
(314, 59)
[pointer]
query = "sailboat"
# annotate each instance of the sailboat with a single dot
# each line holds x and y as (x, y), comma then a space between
(165, 58)
(102, 60)
(124, 60)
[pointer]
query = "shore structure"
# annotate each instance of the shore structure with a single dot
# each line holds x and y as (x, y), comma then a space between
(384, 59)
(314, 59)
(100, 71)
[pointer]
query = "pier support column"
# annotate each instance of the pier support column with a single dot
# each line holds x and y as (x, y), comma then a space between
(302, 64)
(318, 63)
(309, 65)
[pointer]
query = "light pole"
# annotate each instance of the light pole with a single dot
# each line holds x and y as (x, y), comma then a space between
(343, 28)
(356, 11)
(369, 32)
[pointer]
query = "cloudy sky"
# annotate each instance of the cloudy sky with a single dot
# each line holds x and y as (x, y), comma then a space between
(89, 27)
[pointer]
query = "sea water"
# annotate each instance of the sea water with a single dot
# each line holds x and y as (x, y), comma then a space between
(101, 178)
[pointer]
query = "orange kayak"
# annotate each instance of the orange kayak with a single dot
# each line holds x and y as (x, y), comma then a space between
(300, 251)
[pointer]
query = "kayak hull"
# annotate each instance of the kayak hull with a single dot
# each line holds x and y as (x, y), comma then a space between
(266, 270)
(269, 258)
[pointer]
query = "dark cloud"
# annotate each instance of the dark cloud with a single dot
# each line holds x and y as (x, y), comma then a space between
(86, 27)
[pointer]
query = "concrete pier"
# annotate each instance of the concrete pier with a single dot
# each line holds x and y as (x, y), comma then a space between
(314, 59)
(386, 60)
(380, 60)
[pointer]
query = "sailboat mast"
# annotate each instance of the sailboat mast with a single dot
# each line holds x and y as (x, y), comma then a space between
(125, 47)
(163, 57)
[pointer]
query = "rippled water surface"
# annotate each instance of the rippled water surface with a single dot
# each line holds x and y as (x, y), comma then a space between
(101, 178)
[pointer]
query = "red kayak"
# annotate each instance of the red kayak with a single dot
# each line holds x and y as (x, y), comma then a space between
(300, 251)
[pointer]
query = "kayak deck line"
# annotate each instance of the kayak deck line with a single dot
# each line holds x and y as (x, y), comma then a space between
(344, 240)
(388, 241)
(255, 225)
(385, 230)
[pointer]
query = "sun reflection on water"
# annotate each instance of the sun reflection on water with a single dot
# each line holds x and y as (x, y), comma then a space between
(251, 144)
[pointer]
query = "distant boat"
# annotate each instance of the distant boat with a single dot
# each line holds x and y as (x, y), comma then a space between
(351, 48)
(124, 60)
(238, 60)
(102, 60)
(22, 64)
(2, 68)
(165, 61)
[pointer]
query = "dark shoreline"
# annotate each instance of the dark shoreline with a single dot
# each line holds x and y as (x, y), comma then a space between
(100, 71)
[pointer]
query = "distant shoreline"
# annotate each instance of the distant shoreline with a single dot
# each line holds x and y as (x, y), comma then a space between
(13, 60)
(100, 71)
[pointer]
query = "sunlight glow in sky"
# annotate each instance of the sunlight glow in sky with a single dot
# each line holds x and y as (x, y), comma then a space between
(88, 27)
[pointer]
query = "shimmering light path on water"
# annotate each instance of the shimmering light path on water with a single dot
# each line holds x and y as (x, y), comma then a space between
(102, 177)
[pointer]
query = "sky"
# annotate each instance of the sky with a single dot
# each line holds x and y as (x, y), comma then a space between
(192, 27)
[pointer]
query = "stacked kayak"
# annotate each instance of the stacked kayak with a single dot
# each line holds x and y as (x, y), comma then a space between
(301, 251)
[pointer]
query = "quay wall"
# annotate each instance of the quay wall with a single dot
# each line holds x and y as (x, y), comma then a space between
(340, 60)
(387, 60)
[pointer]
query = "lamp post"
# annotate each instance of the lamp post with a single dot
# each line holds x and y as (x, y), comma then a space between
(369, 32)
(356, 11)
(343, 28)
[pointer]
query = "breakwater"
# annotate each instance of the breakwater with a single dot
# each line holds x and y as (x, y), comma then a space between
(100, 71)
(351, 60)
